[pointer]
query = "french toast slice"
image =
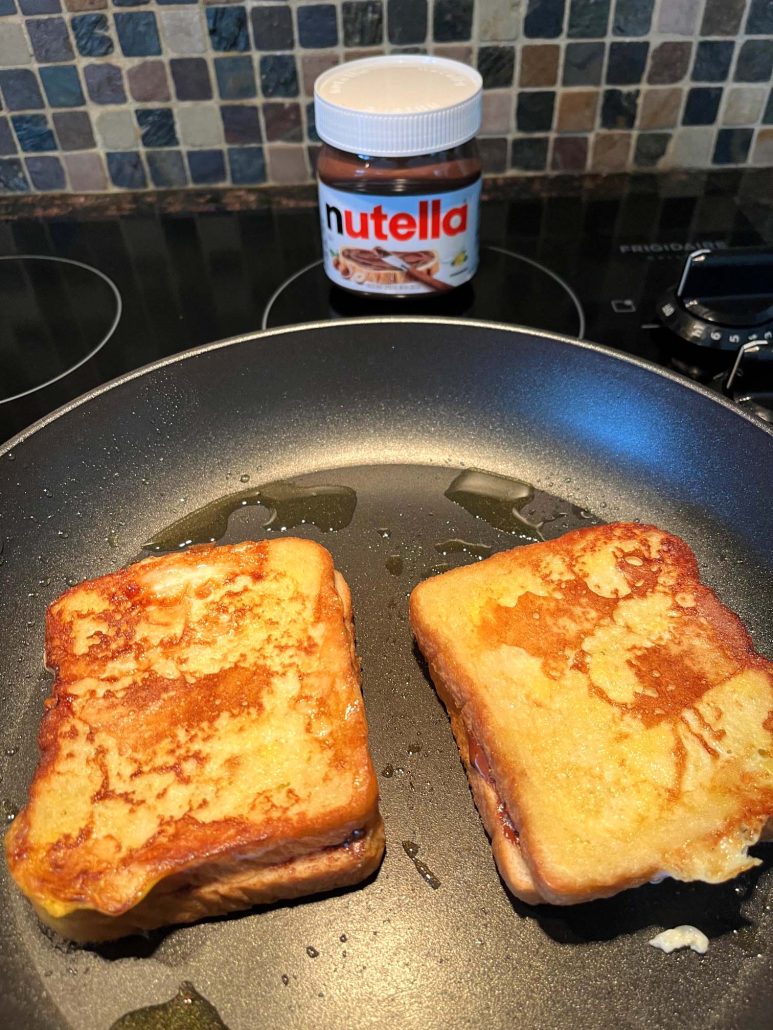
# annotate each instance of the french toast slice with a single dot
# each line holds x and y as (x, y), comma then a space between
(613, 716)
(204, 747)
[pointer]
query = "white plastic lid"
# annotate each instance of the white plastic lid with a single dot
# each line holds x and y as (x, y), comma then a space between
(398, 106)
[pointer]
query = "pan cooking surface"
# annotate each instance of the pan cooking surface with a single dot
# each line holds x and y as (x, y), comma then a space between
(434, 939)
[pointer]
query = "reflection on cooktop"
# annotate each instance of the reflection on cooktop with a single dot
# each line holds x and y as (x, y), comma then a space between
(54, 315)
(189, 279)
(507, 287)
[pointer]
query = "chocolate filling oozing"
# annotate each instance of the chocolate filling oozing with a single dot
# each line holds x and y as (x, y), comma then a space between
(480, 762)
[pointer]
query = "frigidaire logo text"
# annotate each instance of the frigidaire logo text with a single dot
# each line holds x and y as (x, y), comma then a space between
(430, 223)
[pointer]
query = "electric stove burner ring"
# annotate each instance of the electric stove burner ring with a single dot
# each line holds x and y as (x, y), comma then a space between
(35, 329)
(546, 302)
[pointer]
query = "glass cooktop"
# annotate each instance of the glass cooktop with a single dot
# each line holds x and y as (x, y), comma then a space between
(141, 287)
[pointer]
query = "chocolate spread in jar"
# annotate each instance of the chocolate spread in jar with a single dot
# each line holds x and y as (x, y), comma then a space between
(399, 174)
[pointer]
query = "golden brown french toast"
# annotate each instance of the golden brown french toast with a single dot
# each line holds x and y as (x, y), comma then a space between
(204, 747)
(614, 718)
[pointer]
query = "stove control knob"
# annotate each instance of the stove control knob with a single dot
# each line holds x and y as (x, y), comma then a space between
(723, 300)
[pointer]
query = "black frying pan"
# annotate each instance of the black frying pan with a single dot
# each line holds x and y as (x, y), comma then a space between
(392, 409)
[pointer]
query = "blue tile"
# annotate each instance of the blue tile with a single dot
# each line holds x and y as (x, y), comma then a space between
(167, 168)
(247, 165)
(534, 110)
(452, 20)
(126, 170)
(39, 6)
(92, 36)
(46, 173)
(618, 108)
(50, 39)
(12, 177)
(588, 19)
(732, 146)
(272, 27)
(755, 61)
(240, 123)
(702, 105)
(760, 20)
(767, 114)
(191, 78)
(157, 127)
(7, 141)
(228, 28)
(235, 78)
(7, 7)
(206, 166)
(20, 90)
(178, 1)
(130, 3)
(632, 17)
(33, 132)
(626, 63)
(138, 34)
(317, 26)
(104, 83)
(278, 75)
(62, 85)
(712, 60)
(544, 19)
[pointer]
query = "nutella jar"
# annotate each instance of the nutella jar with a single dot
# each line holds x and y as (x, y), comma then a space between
(399, 174)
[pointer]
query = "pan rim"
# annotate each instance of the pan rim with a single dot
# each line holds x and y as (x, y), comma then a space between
(259, 335)
(255, 361)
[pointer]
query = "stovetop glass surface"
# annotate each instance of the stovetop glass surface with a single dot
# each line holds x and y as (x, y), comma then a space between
(507, 287)
(54, 315)
(186, 280)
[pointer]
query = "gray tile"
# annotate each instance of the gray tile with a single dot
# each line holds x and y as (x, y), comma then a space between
(679, 17)
(744, 104)
(183, 30)
(499, 20)
(200, 125)
(14, 47)
(73, 130)
(691, 147)
(86, 172)
(722, 17)
(117, 130)
(583, 63)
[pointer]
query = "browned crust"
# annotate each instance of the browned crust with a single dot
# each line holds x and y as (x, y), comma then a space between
(67, 876)
(520, 863)
(218, 888)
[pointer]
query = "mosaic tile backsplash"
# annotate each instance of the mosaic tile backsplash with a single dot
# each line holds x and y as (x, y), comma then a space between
(135, 95)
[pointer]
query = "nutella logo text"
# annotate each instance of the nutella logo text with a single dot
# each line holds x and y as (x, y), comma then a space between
(429, 223)
(400, 243)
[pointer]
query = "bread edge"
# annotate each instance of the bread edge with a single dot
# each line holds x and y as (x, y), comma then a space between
(229, 890)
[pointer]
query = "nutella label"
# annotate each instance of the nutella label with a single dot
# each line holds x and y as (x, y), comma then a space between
(400, 244)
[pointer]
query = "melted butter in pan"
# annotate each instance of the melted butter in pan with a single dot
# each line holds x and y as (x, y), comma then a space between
(326, 507)
(186, 1011)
